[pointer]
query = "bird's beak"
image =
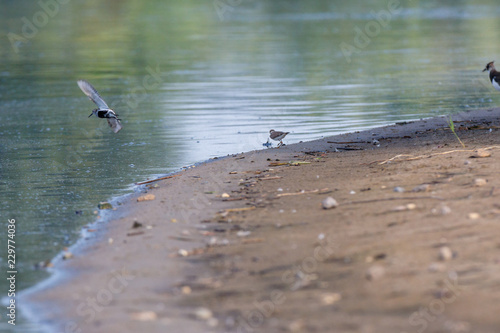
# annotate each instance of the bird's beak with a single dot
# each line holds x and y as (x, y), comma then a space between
(485, 69)
(91, 114)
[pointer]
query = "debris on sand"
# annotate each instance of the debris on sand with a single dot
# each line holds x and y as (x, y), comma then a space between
(445, 253)
(147, 197)
(375, 272)
(104, 205)
(329, 203)
(478, 182)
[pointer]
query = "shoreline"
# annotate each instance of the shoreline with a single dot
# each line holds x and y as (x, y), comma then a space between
(173, 270)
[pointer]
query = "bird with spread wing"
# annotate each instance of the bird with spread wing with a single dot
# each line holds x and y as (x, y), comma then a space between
(103, 110)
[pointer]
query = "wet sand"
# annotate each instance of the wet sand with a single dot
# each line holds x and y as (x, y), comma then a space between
(243, 244)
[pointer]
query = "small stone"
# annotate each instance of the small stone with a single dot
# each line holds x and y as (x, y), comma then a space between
(67, 255)
(329, 202)
(375, 272)
(481, 153)
(144, 316)
(183, 253)
(399, 189)
(225, 195)
(203, 313)
(421, 188)
(186, 290)
(436, 267)
(445, 253)
(136, 225)
(243, 233)
(110, 240)
(104, 205)
(441, 210)
(411, 206)
(480, 182)
(330, 298)
(147, 197)
(402, 208)
(473, 216)
(173, 220)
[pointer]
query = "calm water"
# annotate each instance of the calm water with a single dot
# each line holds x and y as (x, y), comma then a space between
(192, 81)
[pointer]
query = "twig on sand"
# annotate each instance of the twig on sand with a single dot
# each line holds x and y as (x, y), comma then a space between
(346, 142)
(157, 179)
(302, 192)
(253, 240)
(269, 178)
(413, 157)
(391, 199)
(230, 210)
(235, 199)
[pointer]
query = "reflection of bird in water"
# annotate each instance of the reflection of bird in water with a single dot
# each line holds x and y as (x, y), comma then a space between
(267, 144)
(278, 136)
(103, 110)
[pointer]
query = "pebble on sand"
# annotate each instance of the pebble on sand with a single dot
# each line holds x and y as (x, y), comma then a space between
(481, 153)
(329, 202)
(399, 189)
(441, 210)
(186, 290)
(225, 195)
(67, 255)
(445, 253)
(421, 188)
(147, 197)
(203, 313)
(402, 208)
(473, 216)
(480, 182)
(375, 272)
(330, 298)
(144, 316)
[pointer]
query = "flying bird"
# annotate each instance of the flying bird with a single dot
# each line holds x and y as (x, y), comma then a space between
(494, 75)
(103, 110)
(277, 136)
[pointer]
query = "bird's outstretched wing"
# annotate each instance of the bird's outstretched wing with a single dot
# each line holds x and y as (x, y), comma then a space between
(115, 124)
(92, 94)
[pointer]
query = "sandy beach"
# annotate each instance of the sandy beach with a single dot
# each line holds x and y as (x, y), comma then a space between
(244, 244)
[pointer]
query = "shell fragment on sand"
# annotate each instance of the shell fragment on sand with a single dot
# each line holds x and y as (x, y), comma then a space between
(147, 197)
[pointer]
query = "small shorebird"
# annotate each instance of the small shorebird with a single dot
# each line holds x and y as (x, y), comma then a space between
(494, 75)
(103, 110)
(277, 136)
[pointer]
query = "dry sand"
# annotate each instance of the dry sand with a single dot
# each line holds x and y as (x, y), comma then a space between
(269, 258)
